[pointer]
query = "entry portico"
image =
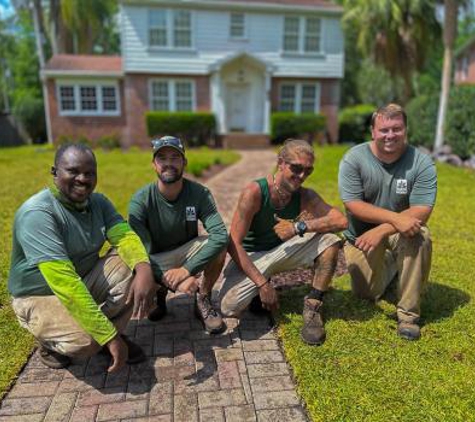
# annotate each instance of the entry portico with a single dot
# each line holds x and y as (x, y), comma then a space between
(240, 93)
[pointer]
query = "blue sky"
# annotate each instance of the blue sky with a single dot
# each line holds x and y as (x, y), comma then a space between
(5, 8)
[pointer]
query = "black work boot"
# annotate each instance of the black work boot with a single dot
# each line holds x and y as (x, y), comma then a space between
(161, 309)
(53, 359)
(212, 321)
(313, 331)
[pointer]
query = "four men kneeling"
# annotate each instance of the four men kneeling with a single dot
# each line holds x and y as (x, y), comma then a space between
(76, 302)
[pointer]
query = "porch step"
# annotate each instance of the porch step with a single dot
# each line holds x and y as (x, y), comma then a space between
(245, 140)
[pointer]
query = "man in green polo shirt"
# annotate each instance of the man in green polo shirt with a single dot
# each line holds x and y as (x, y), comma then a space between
(389, 190)
(279, 226)
(71, 300)
(165, 215)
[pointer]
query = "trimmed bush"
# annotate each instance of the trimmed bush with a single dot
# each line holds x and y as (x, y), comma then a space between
(196, 129)
(354, 123)
(460, 124)
(108, 142)
(422, 120)
(30, 112)
(286, 125)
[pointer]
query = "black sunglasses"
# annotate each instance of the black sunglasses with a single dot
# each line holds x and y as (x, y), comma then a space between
(298, 169)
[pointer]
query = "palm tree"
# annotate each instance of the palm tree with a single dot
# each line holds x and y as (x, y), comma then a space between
(394, 33)
(450, 32)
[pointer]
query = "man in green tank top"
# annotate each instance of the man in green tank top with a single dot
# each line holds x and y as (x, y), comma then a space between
(165, 215)
(389, 189)
(73, 301)
(279, 226)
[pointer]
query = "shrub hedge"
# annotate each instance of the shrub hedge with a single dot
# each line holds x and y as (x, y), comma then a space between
(460, 124)
(422, 119)
(354, 123)
(290, 125)
(196, 129)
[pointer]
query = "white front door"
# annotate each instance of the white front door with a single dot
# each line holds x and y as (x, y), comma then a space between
(237, 106)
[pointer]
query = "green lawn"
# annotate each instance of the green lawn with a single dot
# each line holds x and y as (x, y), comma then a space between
(364, 372)
(23, 172)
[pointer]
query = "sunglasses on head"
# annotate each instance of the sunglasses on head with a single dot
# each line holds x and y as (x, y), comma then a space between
(298, 169)
(163, 142)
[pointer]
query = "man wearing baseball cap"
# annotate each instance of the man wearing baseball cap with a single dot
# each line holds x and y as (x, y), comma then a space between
(165, 215)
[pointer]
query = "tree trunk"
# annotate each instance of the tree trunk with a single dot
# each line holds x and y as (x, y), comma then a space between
(450, 32)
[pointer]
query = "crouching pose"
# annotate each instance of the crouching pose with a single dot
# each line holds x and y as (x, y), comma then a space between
(73, 301)
(165, 215)
(279, 226)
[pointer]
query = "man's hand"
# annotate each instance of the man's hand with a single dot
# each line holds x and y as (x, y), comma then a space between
(174, 277)
(269, 298)
(119, 352)
(407, 225)
(284, 229)
(370, 240)
(189, 286)
(142, 290)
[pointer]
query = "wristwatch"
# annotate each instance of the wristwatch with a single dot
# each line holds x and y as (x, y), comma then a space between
(300, 228)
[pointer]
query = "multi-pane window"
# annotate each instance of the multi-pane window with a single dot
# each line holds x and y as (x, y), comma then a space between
(158, 28)
(299, 97)
(302, 35)
(171, 95)
(88, 99)
(237, 25)
(67, 101)
(170, 28)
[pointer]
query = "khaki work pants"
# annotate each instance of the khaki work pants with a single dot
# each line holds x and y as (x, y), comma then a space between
(51, 324)
(237, 290)
(407, 258)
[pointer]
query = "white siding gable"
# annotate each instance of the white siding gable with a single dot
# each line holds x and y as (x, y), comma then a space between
(211, 41)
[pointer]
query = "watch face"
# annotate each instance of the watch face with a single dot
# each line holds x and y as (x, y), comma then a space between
(301, 226)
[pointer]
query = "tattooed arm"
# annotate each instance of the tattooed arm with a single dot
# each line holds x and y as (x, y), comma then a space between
(323, 217)
(247, 207)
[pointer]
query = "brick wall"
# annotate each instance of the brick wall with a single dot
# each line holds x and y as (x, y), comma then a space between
(130, 125)
(92, 127)
(329, 101)
(136, 92)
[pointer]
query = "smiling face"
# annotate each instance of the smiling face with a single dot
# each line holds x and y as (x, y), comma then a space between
(389, 137)
(295, 170)
(75, 175)
(169, 165)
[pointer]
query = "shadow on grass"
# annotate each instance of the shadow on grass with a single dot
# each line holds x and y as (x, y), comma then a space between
(338, 304)
(441, 301)
(438, 302)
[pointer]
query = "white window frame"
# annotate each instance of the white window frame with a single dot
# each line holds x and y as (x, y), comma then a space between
(298, 95)
(170, 28)
(244, 26)
(98, 85)
(302, 33)
(172, 93)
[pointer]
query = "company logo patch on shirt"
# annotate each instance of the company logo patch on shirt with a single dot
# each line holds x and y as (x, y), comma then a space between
(190, 214)
(401, 186)
(103, 230)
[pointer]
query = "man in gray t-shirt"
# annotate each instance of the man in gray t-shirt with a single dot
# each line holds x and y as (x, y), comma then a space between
(389, 190)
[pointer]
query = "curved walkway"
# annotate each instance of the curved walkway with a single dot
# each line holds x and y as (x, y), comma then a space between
(240, 375)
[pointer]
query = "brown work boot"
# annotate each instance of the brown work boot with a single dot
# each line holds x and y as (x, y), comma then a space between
(53, 359)
(313, 331)
(408, 330)
(212, 321)
(161, 309)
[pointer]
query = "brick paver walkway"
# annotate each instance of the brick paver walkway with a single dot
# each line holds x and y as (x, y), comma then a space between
(240, 375)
